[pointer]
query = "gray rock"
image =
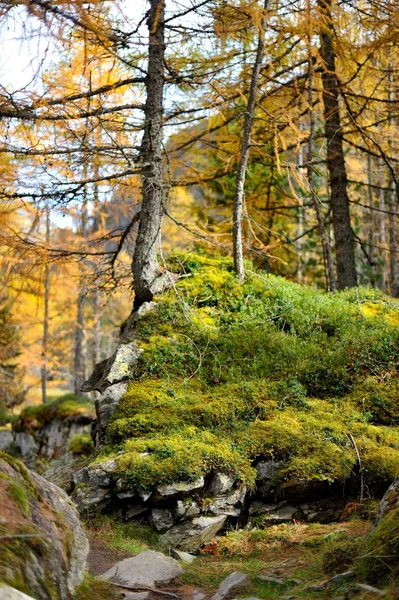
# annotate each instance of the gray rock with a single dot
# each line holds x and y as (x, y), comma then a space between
(135, 510)
(234, 582)
(191, 535)
(10, 593)
(26, 444)
(125, 357)
(55, 566)
(137, 595)
(162, 519)
(6, 439)
(334, 582)
(266, 470)
(106, 404)
(273, 513)
(389, 502)
(252, 598)
(61, 476)
(183, 556)
(149, 569)
(186, 509)
(368, 589)
(180, 487)
(198, 595)
(220, 484)
(268, 579)
(88, 499)
(229, 504)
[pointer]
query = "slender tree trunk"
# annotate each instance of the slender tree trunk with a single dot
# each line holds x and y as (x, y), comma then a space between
(79, 358)
(97, 326)
(393, 241)
(238, 209)
(371, 236)
(45, 339)
(344, 241)
(79, 354)
(328, 259)
(382, 230)
(148, 279)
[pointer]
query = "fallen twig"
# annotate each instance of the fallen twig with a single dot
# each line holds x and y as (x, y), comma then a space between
(137, 588)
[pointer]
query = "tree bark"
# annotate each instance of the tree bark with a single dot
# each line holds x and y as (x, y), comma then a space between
(45, 338)
(148, 279)
(238, 209)
(344, 240)
(328, 259)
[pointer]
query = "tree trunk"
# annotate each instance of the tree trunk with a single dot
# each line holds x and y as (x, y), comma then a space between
(46, 315)
(344, 241)
(79, 358)
(328, 259)
(238, 208)
(148, 280)
(393, 241)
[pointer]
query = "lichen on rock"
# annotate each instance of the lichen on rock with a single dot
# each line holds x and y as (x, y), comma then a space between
(44, 547)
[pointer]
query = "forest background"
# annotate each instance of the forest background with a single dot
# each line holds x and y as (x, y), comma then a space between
(293, 102)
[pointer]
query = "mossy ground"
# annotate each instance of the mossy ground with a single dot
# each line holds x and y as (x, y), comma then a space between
(33, 418)
(267, 368)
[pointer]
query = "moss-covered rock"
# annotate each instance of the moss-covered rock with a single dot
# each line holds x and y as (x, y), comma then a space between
(234, 373)
(45, 430)
(43, 548)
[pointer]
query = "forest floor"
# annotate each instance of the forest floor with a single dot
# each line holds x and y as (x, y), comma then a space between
(297, 554)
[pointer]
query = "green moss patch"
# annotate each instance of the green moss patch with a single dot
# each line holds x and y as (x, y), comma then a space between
(378, 560)
(231, 372)
(69, 406)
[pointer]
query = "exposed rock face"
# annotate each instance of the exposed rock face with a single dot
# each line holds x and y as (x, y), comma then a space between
(389, 502)
(110, 377)
(49, 558)
(149, 569)
(48, 441)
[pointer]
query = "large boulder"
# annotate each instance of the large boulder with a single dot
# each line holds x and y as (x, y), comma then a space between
(149, 569)
(44, 548)
(191, 535)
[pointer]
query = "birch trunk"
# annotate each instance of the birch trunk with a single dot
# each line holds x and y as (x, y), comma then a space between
(238, 208)
(344, 241)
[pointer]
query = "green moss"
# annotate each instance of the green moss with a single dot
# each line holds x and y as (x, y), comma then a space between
(81, 444)
(18, 493)
(378, 561)
(33, 418)
(232, 371)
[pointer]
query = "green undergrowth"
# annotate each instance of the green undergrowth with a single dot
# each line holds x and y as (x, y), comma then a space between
(33, 418)
(267, 368)
(92, 588)
(293, 553)
(131, 538)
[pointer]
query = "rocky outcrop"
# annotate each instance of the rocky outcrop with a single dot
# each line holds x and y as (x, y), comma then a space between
(44, 548)
(389, 502)
(45, 431)
(189, 514)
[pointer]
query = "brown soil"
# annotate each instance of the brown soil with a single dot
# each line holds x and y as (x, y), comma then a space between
(101, 557)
